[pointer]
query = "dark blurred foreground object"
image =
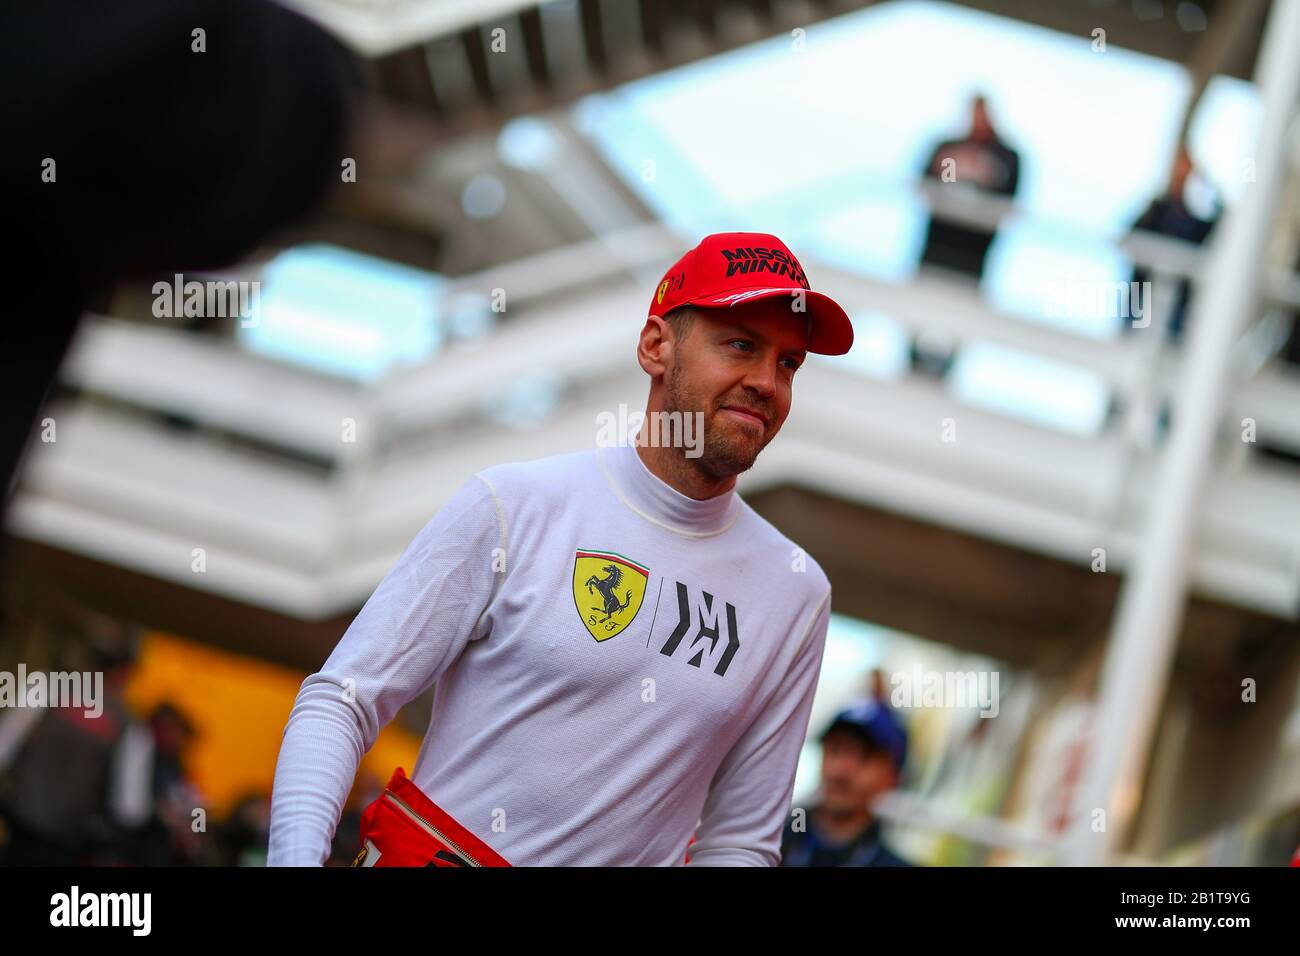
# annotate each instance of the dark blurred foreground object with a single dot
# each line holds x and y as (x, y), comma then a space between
(980, 159)
(135, 144)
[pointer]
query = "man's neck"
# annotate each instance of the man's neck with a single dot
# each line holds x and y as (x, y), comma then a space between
(670, 466)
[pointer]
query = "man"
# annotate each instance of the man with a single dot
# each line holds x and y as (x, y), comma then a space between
(624, 653)
(980, 159)
(863, 752)
(65, 798)
(1169, 215)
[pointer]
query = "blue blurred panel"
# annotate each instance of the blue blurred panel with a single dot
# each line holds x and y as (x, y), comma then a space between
(1223, 133)
(1032, 389)
(344, 313)
(1053, 276)
(879, 235)
(881, 348)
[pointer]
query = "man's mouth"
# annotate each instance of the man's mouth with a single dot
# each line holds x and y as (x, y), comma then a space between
(748, 413)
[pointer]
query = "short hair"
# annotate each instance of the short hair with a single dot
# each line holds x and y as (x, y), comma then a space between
(681, 319)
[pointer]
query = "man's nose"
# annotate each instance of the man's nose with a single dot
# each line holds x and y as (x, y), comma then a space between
(761, 377)
(836, 765)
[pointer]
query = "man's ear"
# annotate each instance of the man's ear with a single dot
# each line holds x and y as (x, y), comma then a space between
(655, 347)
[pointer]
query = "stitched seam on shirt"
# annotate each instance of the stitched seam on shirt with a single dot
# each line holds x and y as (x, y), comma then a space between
(808, 630)
(501, 521)
(803, 643)
(618, 492)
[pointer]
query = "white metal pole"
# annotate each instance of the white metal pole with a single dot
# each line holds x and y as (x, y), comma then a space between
(1143, 638)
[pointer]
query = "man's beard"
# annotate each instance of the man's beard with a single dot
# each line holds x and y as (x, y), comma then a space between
(722, 455)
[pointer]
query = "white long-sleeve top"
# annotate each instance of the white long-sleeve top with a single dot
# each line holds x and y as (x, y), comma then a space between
(616, 666)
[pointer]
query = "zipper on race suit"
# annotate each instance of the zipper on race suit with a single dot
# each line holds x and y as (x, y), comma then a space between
(434, 831)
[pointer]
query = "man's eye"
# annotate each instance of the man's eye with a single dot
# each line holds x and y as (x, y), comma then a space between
(743, 343)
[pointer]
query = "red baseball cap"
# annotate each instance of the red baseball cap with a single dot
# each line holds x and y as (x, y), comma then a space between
(728, 269)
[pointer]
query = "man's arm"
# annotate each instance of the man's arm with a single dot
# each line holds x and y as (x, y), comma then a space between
(415, 625)
(745, 812)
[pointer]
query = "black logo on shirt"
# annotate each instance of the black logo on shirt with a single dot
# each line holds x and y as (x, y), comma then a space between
(707, 634)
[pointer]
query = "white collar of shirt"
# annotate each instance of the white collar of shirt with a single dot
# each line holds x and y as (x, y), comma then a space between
(658, 502)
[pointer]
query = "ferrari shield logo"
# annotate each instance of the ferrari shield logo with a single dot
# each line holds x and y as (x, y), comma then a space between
(607, 591)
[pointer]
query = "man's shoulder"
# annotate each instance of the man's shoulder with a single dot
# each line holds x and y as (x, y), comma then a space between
(539, 475)
(785, 553)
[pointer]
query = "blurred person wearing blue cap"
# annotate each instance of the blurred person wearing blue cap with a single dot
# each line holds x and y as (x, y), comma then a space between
(863, 752)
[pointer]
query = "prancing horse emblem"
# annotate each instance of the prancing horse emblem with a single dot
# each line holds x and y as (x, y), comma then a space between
(607, 591)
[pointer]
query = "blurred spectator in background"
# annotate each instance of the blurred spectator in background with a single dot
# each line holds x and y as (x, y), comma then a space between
(62, 769)
(171, 732)
(1169, 216)
(166, 796)
(980, 159)
(244, 836)
(863, 752)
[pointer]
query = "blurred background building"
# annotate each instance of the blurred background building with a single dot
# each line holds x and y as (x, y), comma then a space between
(1026, 466)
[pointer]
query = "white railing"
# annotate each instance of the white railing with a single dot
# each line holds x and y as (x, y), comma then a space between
(575, 312)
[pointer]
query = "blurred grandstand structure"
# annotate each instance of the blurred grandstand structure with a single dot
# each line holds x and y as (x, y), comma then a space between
(300, 486)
